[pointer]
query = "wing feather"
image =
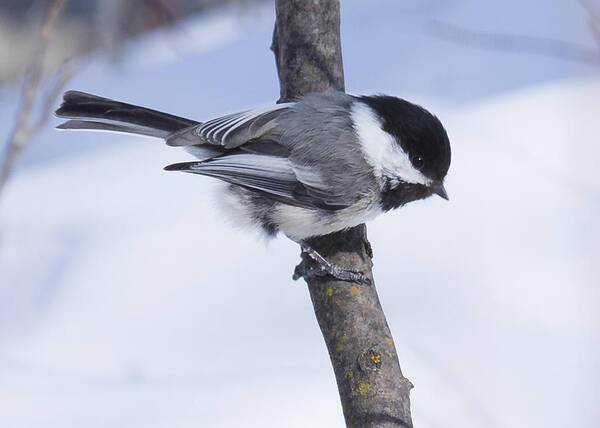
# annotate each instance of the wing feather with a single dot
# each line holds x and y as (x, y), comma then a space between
(232, 130)
(273, 176)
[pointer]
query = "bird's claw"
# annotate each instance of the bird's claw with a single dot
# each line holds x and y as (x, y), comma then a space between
(325, 267)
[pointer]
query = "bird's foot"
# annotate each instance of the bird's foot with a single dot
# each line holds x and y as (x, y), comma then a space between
(325, 267)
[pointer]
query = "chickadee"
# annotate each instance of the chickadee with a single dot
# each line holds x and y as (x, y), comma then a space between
(320, 164)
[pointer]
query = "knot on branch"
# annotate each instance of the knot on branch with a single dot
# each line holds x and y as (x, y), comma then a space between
(370, 360)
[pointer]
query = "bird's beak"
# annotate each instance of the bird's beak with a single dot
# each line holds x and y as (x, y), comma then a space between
(438, 189)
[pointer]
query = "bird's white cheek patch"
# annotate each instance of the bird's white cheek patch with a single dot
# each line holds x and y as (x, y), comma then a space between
(380, 149)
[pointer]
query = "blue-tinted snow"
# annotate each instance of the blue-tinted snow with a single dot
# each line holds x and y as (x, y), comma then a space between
(125, 301)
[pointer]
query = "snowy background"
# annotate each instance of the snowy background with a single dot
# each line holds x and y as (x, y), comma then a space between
(125, 301)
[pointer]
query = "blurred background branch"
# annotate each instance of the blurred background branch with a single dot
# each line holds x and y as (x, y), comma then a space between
(594, 17)
(38, 39)
(524, 43)
(36, 75)
(515, 43)
(87, 26)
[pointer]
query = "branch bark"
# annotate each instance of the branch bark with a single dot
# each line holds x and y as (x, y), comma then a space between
(373, 391)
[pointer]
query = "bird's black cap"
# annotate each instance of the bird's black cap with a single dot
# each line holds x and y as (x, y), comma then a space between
(419, 133)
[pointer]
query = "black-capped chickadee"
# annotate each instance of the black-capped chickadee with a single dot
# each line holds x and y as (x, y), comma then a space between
(320, 164)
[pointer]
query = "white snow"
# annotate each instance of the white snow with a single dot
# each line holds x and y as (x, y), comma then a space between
(125, 300)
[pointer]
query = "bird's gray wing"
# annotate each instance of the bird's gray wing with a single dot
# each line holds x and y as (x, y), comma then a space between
(274, 176)
(230, 131)
(304, 153)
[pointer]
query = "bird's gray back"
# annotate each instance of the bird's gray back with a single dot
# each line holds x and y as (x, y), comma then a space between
(319, 132)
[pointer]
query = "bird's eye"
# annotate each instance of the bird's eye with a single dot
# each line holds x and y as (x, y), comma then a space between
(418, 161)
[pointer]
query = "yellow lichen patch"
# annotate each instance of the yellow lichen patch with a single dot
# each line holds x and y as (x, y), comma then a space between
(389, 353)
(407, 382)
(363, 388)
(332, 333)
(354, 290)
(349, 372)
(376, 358)
(389, 340)
(340, 345)
(329, 292)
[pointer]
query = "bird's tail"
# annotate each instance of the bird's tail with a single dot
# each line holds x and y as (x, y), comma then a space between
(86, 111)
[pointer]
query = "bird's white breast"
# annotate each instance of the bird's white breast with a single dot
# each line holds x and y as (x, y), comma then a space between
(302, 223)
(295, 222)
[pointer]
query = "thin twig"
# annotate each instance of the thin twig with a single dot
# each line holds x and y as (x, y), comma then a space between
(594, 16)
(515, 43)
(25, 125)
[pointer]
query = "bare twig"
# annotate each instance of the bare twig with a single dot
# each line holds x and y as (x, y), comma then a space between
(373, 391)
(25, 125)
(594, 17)
(515, 43)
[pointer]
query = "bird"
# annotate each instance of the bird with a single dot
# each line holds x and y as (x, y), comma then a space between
(321, 163)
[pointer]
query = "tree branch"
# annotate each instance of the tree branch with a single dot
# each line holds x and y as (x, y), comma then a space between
(373, 391)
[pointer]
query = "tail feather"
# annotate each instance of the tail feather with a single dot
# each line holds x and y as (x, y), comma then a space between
(112, 126)
(88, 111)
